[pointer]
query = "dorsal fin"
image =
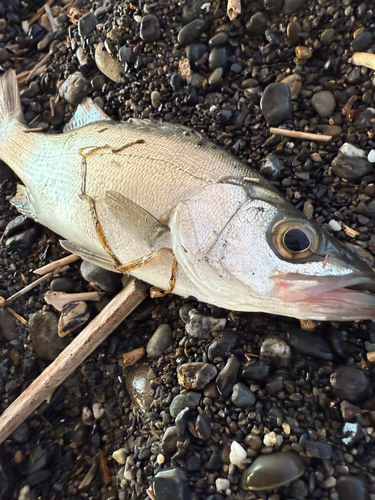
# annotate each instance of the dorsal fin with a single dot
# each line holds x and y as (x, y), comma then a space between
(87, 112)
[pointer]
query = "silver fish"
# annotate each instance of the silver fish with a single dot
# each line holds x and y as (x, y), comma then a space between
(164, 204)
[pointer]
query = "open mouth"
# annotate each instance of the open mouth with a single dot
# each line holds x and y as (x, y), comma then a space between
(329, 297)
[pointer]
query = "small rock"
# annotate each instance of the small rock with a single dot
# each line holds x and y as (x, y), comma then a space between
(222, 346)
(43, 329)
(161, 339)
(203, 426)
(371, 156)
(181, 421)
(350, 384)
(227, 377)
(327, 36)
(324, 103)
(67, 285)
(195, 375)
(218, 58)
(98, 410)
(292, 5)
(171, 483)
(242, 397)
(191, 31)
(292, 32)
(237, 455)
(169, 441)
(138, 386)
(294, 83)
(351, 432)
(333, 130)
(24, 239)
(215, 76)
(276, 103)
(201, 325)
(271, 167)
(120, 455)
(189, 399)
(350, 487)
(364, 119)
(270, 439)
(256, 370)
(257, 24)
(73, 316)
(222, 485)
(319, 450)
(150, 28)
(276, 351)
(86, 24)
(125, 53)
(310, 344)
(8, 325)
(107, 64)
(351, 163)
(362, 42)
(303, 53)
(107, 280)
(195, 51)
(73, 90)
(155, 99)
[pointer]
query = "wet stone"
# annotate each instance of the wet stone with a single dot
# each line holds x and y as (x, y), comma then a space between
(37, 460)
(169, 441)
(155, 99)
(161, 339)
(8, 325)
(324, 103)
(223, 345)
(272, 471)
(218, 39)
(107, 280)
(72, 317)
(276, 103)
(171, 483)
(193, 464)
(191, 10)
(351, 384)
(327, 36)
(215, 76)
(4, 55)
(73, 90)
(351, 163)
(276, 351)
(215, 462)
(43, 329)
(125, 53)
(303, 53)
(138, 386)
(22, 433)
(202, 325)
(256, 370)
(175, 81)
(150, 28)
(191, 32)
(362, 42)
(257, 24)
(273, 6)
(364, 119)
(242, 397)
(309, 344)
(24, 239)
(67, 285)
(218, 58)
(87, 24)
(294, 83)
(181, 421)
(271, 167)
(107, 64)
(319, 450)
(203, 426)
(292, 5)
(195, 375)
(188, 399)
(352, 487)
(195, 51)
(227, 377)
(292, 33)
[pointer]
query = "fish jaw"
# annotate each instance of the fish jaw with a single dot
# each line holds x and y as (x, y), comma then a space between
(327, 298)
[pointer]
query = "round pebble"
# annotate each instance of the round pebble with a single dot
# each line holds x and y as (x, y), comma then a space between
(276, 103)
(350, 384)
(150, 28)
(324, 103)
(191, 31)
(161, 339)
(303, 53)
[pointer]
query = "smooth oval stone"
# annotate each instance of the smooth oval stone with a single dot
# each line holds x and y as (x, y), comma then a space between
(257, 24)
(309, 344)
(175, 81)
(362, 42)
(294, 83)
(333, 130)
(125, 53)
(272, 471)
(161, 339)
(108, 65)
(195, 375)
(227, 377)
(351, 163)
(181, 421)
(327, 36)
(276, 103)
(324, 103)
(25, 239)
(275, 350)
(169, 441)
(8, 325)
(319, 450)
(150, 28)
(191, 10)
(138, 386)
(242, 397)
(72, 317)
(352, 487)
(223, 345)
(171, 483)
(292, 32)
(292, 5)
(203, 426)
(215, 76)
(256, 370)
(67, 285)
(46, 342)
(195, 51)
(271, 167)
(218, 58)
(191, 31)
(107, 280)
(351, 384)
(188, 399)
(218, 39)
(73, 90)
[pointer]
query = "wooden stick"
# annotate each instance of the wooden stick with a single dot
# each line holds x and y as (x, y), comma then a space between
(77, 351)
(57, 263)
(300, 135)
(25, 290)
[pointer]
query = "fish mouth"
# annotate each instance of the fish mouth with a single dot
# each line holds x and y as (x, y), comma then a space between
(329, 298)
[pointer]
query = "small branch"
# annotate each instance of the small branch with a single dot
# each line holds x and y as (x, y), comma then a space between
(233, 9)
(57, 263)
(25, 290)
(17, 316)
(300, 135)
(77, 351)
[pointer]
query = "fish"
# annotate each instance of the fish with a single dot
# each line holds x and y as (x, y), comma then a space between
(164, 204)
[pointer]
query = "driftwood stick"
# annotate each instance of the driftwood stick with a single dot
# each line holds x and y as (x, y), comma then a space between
(57, 263)
(77, 351)
(25, 290)
(300, 135)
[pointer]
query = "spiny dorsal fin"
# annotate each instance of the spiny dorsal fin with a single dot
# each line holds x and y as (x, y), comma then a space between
(87, 112)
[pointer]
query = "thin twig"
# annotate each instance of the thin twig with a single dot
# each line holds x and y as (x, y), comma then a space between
(25, 290)
(56, 264)
(17, 316)
(300, 135)
(40, 12)
(77, 351)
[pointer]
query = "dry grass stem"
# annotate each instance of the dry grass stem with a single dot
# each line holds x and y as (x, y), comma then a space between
(300, 135)
(26, 289)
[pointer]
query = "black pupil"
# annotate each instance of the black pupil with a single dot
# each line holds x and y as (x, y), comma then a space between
(296, 240)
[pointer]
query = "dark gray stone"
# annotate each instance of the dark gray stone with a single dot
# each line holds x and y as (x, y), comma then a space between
(161, 339)
(181, 421)
(362, 42)
(107, 280)
(256, 370)
(310, 344)
(195, 51)
(191, 31)
(87, 24)
(257, 24)
(352, 487)
(223, 345)
(351, 384)
(43, 329)
(276, 103)
(203, 426)
(150, 28)
(319, 450)
(218, 58)
(171, 483)
(242, 397)
(189, 399)
(228, 377)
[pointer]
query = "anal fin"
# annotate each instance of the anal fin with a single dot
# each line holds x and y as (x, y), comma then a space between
(98, 259)
(22, 202)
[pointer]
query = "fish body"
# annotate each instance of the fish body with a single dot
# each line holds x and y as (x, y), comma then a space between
(143, 197)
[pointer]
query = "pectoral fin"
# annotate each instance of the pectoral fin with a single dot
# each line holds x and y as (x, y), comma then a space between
(135, 221)
(22, 202)
(98, 259)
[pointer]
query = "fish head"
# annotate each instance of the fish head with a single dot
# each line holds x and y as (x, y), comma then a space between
(248, 249)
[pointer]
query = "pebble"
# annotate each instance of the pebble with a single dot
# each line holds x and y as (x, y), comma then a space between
(107, 280)
(215, 76)
(327, 36)
(324, 103)
(72, 317)
(195, 51)
(8, 325)
(222, 485)
(237, 455)
(292, 5)
(351, 432)
(276, 103)
(218, 58)
(222, 346)
(4, 55)
(219, 39)
(107, 64)
(150, 28)
(292, 32)
(98, 410)
(189, 399)
(25, 493)
(294, 83)
(22, 433)
(125, 53)
(73, 90)
(175, 81)
(191, 32)
(319, 450)
(181, 421)
(138, 386)
(86, 24)
(272, 471)
(43, 329)
(256, 370)
(273, 6)
(169, 441)
(227, 377)
(364, 119)
(155, 99)
(202, 325)
(242, 397)
(276, 351)
(195, 375)
(309, 344)
(362, 42)
(352, 487)
(303, 53)
(351, 384)
(257, 24)
(270, 439)
(24, 239)
(161, 339)
(371, 156)
(203, 426)
(120, 455)
(63, 284)
(333, 130)
(171, 483)
(351, 163)
(271, 167)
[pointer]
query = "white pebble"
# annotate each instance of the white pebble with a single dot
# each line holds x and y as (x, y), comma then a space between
(120, 456)
(336, 226)
(270, 439)
(25, 493)
(286, 427)
(222, 485)
(160, 459)
(237, 455)
(98, 410)
(350, 150)
(137, 18)
(371, 156)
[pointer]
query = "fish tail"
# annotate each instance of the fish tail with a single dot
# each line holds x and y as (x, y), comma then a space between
(10, 102)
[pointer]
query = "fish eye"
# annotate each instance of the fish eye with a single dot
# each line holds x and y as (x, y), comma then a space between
(295, 240)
